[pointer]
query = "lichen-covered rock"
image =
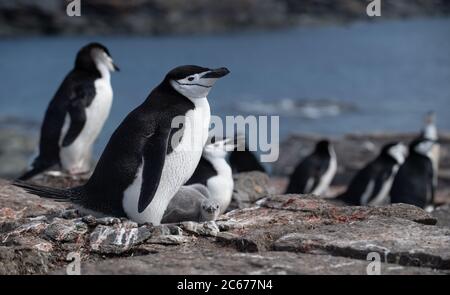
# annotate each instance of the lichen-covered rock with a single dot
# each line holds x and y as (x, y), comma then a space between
(118, 238)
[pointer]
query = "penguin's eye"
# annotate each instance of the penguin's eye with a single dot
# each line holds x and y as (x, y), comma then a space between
(191, 79)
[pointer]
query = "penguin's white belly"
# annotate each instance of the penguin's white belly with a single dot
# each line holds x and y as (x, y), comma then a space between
(75, 157)
(383, 196)
(327, 178)
(178, 168)
(220, 189)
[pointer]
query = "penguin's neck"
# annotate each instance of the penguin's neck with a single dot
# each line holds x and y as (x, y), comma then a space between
(104, 71)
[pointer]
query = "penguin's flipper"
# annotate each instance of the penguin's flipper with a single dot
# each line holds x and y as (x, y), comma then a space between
(82, 97)
(77, 114)
(154, 155)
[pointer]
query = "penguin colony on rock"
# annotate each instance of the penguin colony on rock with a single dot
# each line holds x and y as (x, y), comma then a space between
(151, 171)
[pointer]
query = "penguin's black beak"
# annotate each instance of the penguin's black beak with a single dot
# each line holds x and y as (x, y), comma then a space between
(116, 68)
(216, 73)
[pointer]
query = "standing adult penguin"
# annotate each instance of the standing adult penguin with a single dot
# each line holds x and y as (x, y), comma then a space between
(316, 172)
(214, 172)
(76, 114)
(414, 181)
(371, 185)
(150, 155)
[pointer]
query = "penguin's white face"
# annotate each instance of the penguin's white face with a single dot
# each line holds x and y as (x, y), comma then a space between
(424, 148)
(197, 85)
(399, 153)
(102, 59)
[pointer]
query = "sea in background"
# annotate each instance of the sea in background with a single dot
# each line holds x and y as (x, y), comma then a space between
(330, 80)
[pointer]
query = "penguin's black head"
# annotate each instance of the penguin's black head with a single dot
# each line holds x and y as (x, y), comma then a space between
(194, 82)
(94, 56)
(323, 146)
(422, 146)
(396, 151)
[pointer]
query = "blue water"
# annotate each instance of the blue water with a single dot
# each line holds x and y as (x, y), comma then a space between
(390, 72)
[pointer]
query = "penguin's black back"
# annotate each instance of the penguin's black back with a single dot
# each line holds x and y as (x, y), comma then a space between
(414, 182)
(204, 171)
(119, 162)
(244, 161)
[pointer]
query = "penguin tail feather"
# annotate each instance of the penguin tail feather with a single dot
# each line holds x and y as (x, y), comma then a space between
(62, 195)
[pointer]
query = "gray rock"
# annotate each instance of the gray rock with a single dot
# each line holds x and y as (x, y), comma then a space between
(209, 228)
(34, 228)
(63, 230)
(397, 240)
(117, 239)
(210, 260)
(249, 187)
(109, 221)
(168, 240)
(22, 260)
(442, 214)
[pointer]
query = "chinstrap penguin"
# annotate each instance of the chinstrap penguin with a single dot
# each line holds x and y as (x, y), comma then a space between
(150, 155)
(214, 172)
(76, 114)
(414, 183)
(191, 203)
(315, 173)
(371, 185)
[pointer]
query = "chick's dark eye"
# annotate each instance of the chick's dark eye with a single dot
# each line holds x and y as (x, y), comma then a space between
(191, 78)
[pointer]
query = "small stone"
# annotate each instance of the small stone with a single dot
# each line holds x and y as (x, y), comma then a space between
(109, 220)
(161, 230)
(190, 226)
(209, 228)
(117, 239)
(169, 240)
(69, 214)
(63, 230)
(89, 220)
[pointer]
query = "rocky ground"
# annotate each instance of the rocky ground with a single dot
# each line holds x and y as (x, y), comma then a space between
(146, 17)
(267, 233)
(264, 233)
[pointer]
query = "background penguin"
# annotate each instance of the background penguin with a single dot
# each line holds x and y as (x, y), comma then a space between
(244, 161)
(214, 172)
(430, 132)
(76, 114)
(191, 203)
(372, 184)
(149, 156)
(414, 181)
(316, 172)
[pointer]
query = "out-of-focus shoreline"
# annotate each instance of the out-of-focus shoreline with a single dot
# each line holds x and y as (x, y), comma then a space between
(155, 17)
